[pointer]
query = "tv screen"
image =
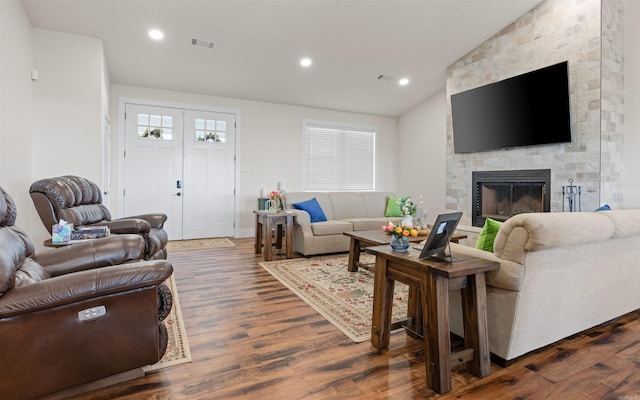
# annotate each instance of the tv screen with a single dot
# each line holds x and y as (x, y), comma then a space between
(529, 109)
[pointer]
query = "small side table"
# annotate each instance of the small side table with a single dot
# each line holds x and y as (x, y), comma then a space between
(432, 281)
(265, 221)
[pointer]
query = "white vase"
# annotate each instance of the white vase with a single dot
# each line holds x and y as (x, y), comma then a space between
(407, 220)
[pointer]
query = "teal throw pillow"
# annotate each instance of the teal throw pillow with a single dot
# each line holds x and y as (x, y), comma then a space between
(393, 207)
(488, 235)
(605, 207)
(313, 208)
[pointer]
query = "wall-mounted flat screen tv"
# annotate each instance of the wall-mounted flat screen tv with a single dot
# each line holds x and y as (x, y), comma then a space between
(526, 110)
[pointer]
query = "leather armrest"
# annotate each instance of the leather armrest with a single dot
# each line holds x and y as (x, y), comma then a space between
(97, 253)
(155, 220)
(127, 225)
(83, 285)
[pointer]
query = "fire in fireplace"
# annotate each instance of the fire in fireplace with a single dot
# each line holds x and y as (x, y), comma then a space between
(500, 195)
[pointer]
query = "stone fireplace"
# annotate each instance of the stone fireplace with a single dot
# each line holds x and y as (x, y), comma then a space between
(589, 35)
(500, 195)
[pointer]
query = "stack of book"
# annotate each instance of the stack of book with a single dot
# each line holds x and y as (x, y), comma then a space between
(93, 232)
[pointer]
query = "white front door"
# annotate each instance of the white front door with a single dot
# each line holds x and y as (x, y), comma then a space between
(209, 151)
(153, 164)
(182, 163)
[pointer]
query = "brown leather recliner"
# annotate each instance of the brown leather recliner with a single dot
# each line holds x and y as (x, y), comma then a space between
(79, 201)
(76, 314)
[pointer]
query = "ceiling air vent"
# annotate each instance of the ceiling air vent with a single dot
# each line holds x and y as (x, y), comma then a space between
(203, 43)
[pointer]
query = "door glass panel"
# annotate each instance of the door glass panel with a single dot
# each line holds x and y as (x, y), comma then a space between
(210, 130)
(155, 126)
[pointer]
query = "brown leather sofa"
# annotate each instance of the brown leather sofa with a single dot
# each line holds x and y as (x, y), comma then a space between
(79, 201)
(53, 335)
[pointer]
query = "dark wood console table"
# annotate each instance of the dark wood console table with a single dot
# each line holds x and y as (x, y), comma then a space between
(431, 281)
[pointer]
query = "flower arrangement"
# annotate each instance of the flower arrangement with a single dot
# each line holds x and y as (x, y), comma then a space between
(400, 230)
(407, 206)
(278, 197)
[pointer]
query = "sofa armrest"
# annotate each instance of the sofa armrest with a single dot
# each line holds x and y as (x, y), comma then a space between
(126, 225)
(302, 219)
(509, 276)
(97, 253)
(156, 220)
(83, 285)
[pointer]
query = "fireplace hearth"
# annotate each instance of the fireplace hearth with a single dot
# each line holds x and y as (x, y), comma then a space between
(500, 195)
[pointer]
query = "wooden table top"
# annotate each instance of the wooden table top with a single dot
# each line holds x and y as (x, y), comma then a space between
(378, 236)
(462, 265)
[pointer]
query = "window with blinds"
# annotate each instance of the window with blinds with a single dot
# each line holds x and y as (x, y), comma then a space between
(338, 158)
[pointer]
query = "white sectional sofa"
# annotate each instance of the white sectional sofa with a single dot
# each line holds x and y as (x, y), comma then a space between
(560, 273)
(345, 212)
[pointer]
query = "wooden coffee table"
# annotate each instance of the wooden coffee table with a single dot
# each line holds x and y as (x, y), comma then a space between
(364, 239)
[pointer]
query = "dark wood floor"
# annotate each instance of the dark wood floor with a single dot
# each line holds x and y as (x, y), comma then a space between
(252, 338)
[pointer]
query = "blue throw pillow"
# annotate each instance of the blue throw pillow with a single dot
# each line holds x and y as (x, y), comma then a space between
(313, 208)
(603, 208)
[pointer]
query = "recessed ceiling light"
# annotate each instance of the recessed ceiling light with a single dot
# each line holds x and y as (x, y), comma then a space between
(403, 82)
(305, 62)
(156, 34)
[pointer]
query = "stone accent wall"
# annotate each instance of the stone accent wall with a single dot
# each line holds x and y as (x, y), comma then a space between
(555, 31)
(612, 103)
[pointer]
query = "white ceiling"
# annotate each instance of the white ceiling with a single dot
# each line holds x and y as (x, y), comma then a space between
(259, 44)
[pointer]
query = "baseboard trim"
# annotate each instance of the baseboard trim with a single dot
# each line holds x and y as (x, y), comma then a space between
(90, 386)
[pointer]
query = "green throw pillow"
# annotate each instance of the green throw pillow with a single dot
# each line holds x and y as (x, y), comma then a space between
(488, 235)
(393, 207)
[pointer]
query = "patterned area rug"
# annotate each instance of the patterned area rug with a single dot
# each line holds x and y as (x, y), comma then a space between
(342, 297)
(207, 243)
(178, 347)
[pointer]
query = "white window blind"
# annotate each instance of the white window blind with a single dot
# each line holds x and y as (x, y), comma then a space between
(338, 158)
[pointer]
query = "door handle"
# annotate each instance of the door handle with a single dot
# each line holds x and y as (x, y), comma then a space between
(178, 194)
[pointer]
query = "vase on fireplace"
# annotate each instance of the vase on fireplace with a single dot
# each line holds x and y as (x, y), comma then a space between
(399, 243)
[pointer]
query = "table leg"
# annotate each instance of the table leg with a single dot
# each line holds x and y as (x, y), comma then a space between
(289, 237)
(382, 303)
(474, 306)
(279, 228)
(435, 305)
(354, 255)
(259, 227)
(268, 245)
(414, 313)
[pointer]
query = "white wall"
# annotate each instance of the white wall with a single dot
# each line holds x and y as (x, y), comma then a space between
(68, 110)
(422, 154)
(16, 107)
(269, 145)
(632, 105)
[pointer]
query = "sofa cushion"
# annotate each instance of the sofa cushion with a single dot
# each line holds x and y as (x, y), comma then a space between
(347, 205)
(313, 208)
(488, 235)
(375, 203)
(367, 224)
(322, 198)
(393, 207)
(331, 228)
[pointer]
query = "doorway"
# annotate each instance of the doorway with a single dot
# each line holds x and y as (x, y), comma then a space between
(181, 162)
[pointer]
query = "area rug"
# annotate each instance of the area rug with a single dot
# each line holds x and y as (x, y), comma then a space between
(208, 243)
(344, 298)
(178, 347)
